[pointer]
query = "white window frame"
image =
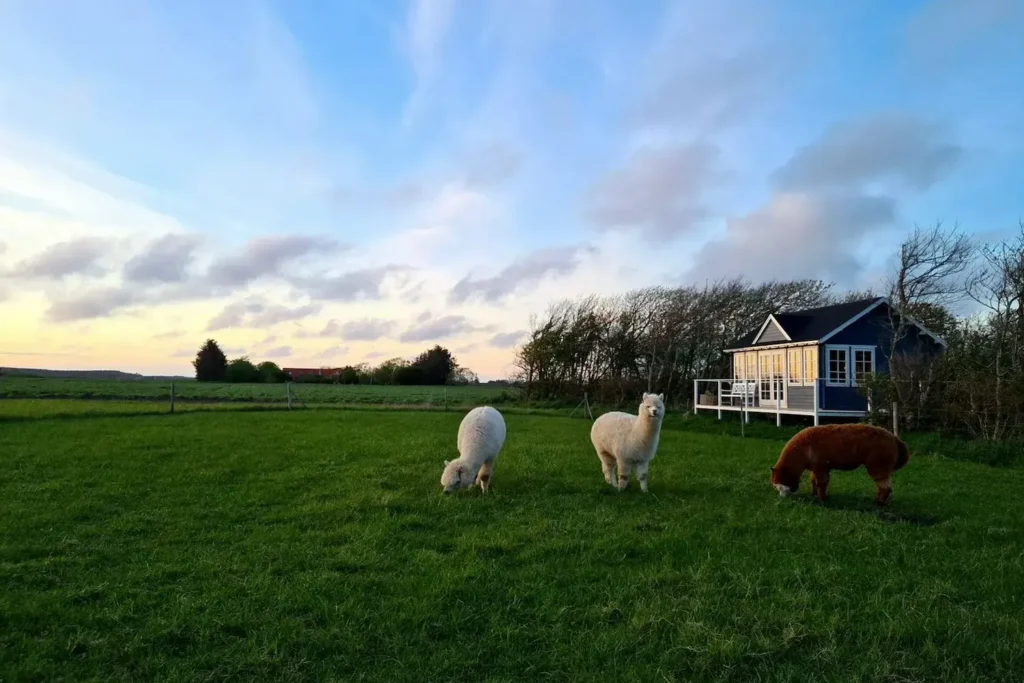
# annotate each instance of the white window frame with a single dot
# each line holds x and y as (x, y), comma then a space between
(851, 371)
(810, 381)
(853, 362)
(799, 381)
(845, 382)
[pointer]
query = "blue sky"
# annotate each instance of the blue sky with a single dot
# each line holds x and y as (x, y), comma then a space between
(332, 182)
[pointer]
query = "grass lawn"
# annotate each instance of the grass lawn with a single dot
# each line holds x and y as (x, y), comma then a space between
(316, 545)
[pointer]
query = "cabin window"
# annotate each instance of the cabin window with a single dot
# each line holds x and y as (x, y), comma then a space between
(863, 364)
(751, 365)
(795, 366)
(810, 364)
(738, 366)
(838, 370)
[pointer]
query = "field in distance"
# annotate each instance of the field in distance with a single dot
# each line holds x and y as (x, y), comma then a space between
(158, 390)
(316, 545)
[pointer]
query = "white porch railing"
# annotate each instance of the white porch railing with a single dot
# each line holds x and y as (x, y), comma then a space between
(744, 396)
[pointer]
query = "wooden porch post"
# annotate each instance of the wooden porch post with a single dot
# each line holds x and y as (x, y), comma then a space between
(778, 409)
(696, 396)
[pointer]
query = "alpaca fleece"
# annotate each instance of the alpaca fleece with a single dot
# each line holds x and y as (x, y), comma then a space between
(480, 440)
(628, 443)
(843, 447)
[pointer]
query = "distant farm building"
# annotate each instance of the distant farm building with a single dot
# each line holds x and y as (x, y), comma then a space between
(299, 373)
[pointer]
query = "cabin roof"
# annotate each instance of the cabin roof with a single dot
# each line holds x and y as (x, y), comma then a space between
(809, 325)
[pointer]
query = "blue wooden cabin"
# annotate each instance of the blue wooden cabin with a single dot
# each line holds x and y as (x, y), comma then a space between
(812, 362)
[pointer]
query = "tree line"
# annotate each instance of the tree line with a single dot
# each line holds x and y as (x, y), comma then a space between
(434, 366)
(661, 338)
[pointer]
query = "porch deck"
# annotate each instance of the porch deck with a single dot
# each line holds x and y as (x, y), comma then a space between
(772, 397)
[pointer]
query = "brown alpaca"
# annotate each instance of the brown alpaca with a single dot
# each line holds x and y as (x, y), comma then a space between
(841, 447)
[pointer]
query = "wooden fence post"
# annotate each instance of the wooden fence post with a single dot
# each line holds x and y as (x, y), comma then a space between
(289, 385)
(895, 418)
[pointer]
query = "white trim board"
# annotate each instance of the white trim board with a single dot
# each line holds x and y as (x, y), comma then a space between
(770, 347)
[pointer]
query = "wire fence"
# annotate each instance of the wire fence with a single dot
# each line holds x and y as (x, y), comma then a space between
(175, 395)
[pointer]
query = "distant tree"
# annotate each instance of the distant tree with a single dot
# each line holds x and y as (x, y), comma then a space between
(385, 372)
(464, 376)
(408, 375)
(241, 370)
(211, 364)
(271, 372)
(438, 365)
(365, 373)
(348, 375)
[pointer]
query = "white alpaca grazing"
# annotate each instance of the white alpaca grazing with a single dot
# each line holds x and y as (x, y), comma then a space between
(481, 436)
(629, 442)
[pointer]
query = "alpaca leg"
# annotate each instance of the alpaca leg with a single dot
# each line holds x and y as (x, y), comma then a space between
(882, 476)
(641, 474)
(483, 477)
(883, 489)
(607, 466)
(625, 468)
(819, 484)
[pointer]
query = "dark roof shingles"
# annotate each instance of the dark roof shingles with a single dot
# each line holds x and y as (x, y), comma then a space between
(809, 325)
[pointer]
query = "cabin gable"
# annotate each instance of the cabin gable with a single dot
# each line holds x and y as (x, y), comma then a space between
(771, 333)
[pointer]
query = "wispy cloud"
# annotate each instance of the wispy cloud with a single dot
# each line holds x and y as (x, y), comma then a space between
(426, 29)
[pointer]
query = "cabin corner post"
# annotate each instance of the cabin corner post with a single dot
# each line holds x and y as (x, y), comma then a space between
(719, 399)
(816, 406)
(696, 396)
(778, 409)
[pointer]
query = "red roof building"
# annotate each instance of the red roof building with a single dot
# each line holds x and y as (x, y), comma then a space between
(295, 373)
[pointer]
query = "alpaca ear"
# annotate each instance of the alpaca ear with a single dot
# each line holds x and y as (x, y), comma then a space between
(646, 394)
(661, 397)
(446, 462)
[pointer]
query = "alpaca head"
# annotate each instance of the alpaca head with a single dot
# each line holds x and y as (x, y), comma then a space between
(456, 475)
(784, 482)
(653, 405)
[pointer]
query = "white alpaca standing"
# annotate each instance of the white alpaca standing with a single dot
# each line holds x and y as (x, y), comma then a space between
(481, 436)
(629, 442)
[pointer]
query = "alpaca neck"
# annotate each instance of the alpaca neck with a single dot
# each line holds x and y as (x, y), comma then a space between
(645, 428)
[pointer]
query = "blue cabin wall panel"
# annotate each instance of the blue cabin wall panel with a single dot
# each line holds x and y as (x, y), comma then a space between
(842, 398)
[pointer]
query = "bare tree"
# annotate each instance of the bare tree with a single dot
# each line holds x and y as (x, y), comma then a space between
(930, 272)
(998, 286)
(931, 268)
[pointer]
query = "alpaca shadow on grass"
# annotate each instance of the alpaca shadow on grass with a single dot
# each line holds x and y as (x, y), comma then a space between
(866, 505)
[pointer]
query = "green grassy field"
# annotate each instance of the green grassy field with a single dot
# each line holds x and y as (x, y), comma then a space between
(315, 545)
(191, 391)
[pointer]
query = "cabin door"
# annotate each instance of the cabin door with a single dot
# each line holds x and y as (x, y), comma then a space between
(772, 381)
